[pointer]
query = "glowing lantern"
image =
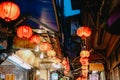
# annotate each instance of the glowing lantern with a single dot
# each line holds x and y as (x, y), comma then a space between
(45, 47)
(24, 32)
(51, 53)
(9, 11)
(83, 32)
(84, 53)
(35, 39)
(84, 67)
(85, 73)
(84, 61)
(64, 61)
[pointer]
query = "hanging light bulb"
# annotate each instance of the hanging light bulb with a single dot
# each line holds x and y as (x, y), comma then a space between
(45, 47)
(84, 53)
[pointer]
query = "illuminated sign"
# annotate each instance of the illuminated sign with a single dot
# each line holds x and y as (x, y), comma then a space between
(96, 66)
(68, 9)
(54, 76)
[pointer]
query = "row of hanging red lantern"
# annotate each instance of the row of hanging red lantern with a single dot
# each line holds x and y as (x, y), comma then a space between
(25, 32)
(84, 32)
(66, 65)
(84, 54)
(9, 11)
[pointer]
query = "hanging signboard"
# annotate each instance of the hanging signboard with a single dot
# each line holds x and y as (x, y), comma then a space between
(68, 11)
(96, 66)
(9, 77)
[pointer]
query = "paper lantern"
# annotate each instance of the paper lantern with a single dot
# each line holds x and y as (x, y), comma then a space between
(85, 73)
(84, 61)
(64, 61)
(84, 67)
(84, 53)
(83, 32)
(51, 53)
(9, 11)
(24, 32)
(35, 39)
(45, 47)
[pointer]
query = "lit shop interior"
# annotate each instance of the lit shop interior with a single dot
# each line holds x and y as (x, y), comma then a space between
(59, 39)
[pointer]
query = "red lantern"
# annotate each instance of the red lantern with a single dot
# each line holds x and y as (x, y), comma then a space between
(35, 39)
(24, 32)
(45, 47)
(9, 11)
(64, 61)
(84, 53)
(83, 32)
(84, 61)
(51, 53)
